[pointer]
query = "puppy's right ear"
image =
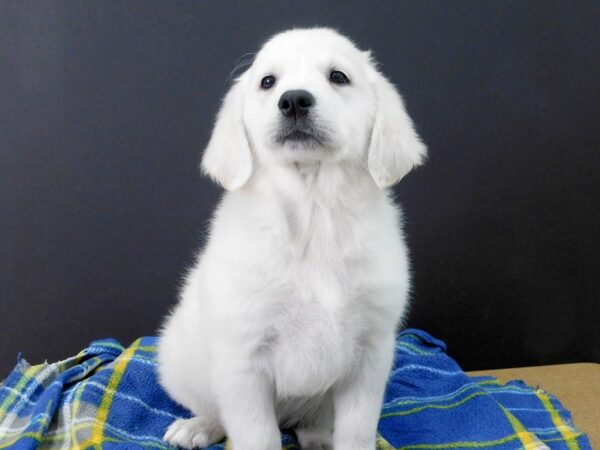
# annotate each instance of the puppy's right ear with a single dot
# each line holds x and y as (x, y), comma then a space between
(227, 158)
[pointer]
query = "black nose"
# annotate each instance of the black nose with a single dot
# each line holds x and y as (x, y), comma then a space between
(296, 103)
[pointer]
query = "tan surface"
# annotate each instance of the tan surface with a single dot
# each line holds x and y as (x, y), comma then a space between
(577, 386)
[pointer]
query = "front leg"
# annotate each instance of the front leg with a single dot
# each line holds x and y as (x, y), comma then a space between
(359, 397)
(246, 402)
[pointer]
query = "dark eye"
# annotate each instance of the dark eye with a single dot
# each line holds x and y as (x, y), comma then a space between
(338, 77)
(267, 82)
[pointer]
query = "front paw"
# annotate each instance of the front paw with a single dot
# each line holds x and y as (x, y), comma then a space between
(193, 433)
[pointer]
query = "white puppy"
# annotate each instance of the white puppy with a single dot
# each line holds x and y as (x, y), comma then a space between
(289, 316)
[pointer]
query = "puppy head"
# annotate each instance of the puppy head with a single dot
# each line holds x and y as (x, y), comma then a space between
(311, 95)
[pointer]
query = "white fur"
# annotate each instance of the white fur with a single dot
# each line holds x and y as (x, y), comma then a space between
(289, 316)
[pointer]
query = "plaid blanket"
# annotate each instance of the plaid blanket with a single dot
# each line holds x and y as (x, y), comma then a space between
(107, 397)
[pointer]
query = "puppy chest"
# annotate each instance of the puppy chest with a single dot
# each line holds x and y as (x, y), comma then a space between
(310, 349)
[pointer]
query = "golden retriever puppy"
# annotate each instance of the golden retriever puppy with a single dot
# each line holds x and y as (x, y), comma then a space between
(288, 318)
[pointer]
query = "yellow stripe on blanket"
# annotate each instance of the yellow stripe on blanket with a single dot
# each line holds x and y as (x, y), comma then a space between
(528, 439)
(96, 438)
(566, 431)
(28, 375)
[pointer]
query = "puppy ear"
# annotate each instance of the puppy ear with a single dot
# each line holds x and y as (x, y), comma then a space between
(395, 147)
(227, 158)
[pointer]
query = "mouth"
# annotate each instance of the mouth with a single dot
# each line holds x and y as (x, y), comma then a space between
(298, 136)
(300, 133)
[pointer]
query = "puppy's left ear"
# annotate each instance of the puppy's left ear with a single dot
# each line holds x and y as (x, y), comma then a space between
(395, 147)
(228, 158)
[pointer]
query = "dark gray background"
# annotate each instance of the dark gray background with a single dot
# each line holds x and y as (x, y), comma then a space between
(105, 107)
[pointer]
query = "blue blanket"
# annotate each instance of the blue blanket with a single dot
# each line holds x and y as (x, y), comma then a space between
(107, 397)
